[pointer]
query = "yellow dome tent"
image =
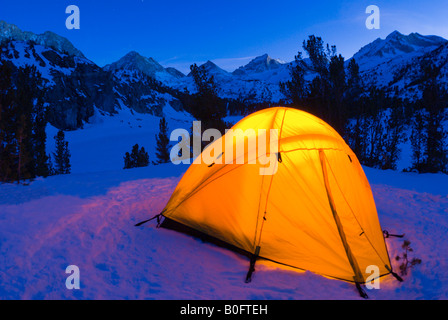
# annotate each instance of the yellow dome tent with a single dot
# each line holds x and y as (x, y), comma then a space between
(316, 211)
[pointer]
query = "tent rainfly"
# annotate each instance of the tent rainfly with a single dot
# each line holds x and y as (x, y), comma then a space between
(314, 212)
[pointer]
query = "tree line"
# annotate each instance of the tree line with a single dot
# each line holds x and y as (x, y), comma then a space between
(372, 121)
(23, 121)
(375, 123)
(204, 104)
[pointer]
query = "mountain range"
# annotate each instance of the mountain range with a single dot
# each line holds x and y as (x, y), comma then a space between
(395, 61)
(76, 86)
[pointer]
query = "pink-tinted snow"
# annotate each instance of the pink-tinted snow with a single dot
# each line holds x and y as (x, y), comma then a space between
(88, 220)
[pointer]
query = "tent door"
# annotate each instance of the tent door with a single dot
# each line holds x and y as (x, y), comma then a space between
(358, 277)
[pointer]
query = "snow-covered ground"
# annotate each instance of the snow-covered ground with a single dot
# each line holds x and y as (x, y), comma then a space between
(103, 142)
(87, 219)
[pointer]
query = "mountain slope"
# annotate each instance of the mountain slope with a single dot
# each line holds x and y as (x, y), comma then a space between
(133, 61)
(395, 60)
(213, 69)
(259, 64)
(48, 39)
(75, 87)
(395, 44)
(257, 82)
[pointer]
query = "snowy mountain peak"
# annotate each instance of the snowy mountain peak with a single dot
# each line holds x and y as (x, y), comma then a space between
(134, 61)
(259, 64)
(209, 64)
(397, 44)
(395, 60)
(47, 39)
(133, 55)
(395, 35)
(213, 69)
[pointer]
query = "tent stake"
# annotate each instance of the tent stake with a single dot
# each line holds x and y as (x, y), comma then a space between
(361, 291)
(394, 274)
(252, 264)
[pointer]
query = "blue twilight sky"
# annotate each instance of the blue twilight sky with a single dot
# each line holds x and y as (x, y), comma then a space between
(228, 32)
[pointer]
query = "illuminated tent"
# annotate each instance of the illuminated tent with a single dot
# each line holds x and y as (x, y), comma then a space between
(316, 212)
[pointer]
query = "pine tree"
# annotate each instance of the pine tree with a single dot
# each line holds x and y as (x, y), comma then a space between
(22, 124)
(23, 156)
(137, 158)
(376, 128)
(296, 89)
(327, 89)
(162, 142)
(354, 81)
(62, 154)
(428, 136)
(143, 158)
(315, 48)
(50, 167)
(39, 138)
(434, 99)
(58, 155)
(67, 155)
(393, 120)
(127, 161)
(337, 79)
(418, 140)
(206, 106)
(8, 115)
